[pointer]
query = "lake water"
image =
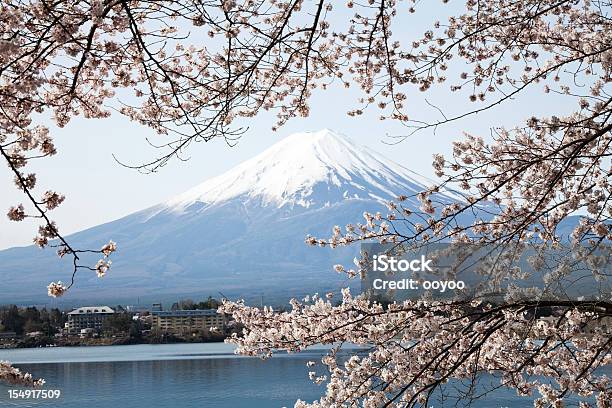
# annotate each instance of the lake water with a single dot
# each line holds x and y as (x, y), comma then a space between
(177, 375)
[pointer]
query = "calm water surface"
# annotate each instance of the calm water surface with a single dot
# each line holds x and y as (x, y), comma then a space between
(177, 375)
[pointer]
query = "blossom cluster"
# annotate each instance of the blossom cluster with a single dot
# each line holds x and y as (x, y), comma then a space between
(57, 289)
(412, 348)
(13, 376)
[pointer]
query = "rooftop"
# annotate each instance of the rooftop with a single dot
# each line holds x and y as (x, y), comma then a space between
(184, 313)
(91, 310)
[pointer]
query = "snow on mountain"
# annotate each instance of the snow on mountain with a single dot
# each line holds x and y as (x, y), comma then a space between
(241, 232)
(289, 173)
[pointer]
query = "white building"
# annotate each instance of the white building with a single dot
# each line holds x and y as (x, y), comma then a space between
(88, 317)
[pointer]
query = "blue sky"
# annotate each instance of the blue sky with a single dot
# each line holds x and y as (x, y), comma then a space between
(99, 190)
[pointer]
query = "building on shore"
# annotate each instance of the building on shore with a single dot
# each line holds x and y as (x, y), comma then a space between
(137, 309)
(185, 322)
(88, 332)
(88, 317)
(8, 335)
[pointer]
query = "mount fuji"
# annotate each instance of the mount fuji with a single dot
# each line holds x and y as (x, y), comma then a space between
(241, 233)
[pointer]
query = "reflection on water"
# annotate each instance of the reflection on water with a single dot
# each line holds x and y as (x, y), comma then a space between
(189, 375)
(221, 382)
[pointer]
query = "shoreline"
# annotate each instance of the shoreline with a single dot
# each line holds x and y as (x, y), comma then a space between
(104, 341)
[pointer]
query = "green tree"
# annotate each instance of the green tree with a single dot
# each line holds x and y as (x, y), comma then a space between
(135, 329)
(12, 320)
(32, 326)
(118, 323)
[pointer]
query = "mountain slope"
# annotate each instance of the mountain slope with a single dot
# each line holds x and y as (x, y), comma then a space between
(241, 232)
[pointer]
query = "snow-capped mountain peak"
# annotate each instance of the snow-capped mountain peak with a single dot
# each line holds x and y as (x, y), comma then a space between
(306, 169)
